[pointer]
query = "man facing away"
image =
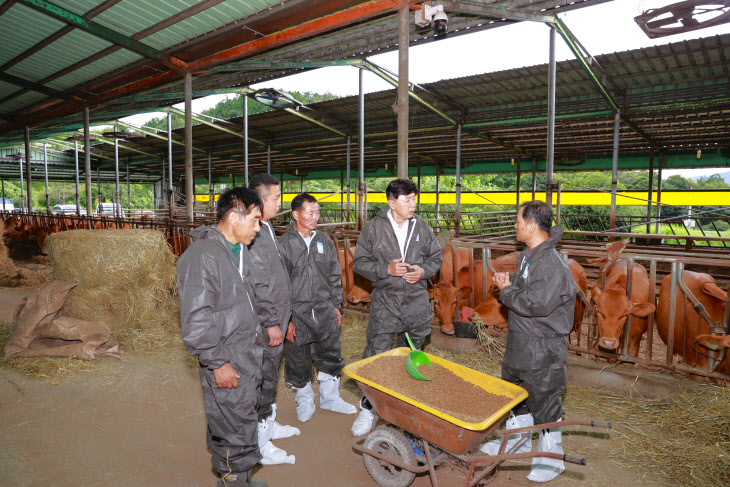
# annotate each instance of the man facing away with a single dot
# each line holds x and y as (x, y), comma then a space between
(273, 308)
(310, 258)
(541, 299)
(398, 252)
(220, 328)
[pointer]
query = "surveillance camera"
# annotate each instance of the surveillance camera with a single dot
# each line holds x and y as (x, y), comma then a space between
(440, 21)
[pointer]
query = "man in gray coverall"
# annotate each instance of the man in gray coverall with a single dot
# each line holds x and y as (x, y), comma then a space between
(398, 252)
(310, 258)
(219, 326)
(273, 308)
(541, 298)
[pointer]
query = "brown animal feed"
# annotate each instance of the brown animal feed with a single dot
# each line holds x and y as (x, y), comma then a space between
(447, 392)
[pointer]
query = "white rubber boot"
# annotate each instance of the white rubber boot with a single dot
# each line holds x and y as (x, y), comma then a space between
(279, 431)
(305, 402)
(364, 421)
(545, 469)
(272, 455)
(329, 395)
(523, 440)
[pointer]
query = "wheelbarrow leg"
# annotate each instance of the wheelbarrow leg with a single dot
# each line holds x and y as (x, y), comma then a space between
(429, 462)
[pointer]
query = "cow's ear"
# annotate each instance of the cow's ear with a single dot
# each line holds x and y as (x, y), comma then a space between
(430, 293)
(642, 309)
(463, 292)
(714, 342)
(596, 292)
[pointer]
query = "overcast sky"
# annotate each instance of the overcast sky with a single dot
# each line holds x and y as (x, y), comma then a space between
(602, 29)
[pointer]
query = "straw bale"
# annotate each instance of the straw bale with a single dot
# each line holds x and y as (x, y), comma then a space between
(126, 280)
(13, 276)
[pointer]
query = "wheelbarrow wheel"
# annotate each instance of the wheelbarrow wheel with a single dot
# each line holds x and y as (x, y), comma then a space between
(392, 444)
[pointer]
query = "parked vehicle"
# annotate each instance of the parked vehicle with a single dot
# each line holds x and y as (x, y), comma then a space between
(66, 210)
(6, 204)
(110, 209)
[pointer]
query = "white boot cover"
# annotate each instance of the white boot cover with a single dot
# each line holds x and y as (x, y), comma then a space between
(363, 423)
(279, 431)
(329, 395)
(305, 403)
(524, 439)
(545, 469)
(273, 455)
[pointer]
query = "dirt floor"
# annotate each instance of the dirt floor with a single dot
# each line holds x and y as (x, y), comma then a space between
(139, 423)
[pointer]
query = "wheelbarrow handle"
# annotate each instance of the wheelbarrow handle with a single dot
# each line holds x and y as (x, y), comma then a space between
(574, 459)
(601, 424)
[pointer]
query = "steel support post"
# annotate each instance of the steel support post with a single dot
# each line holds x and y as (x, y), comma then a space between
(2, 190)
(76, 161)
(87, 162)
(418, 197)
(519, 175)
(170, 197)
(550, 162)
(245, 140)
(211, 196)
(359, 207)
(650, 191)
(22, 183)
(659, 192)
(402, 104)
(676, 274)
(45, 173)
(534, 178)
(438, 191)
(29, 177)
(268, 160)
(117, 200)
(129, 191)
(614, 171)
(189, 182)
(163, 185)
(347, 176)
(457, 212)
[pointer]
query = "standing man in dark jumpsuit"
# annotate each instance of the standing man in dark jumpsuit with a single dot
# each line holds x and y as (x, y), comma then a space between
(398, 252)
(541, 299)
(310, 258)
(273, 308)
(220, 328)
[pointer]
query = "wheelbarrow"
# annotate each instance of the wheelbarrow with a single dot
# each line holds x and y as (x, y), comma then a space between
(411, 437)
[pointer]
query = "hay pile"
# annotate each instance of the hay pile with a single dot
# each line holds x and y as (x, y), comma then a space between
(13, 276)
(127, 281)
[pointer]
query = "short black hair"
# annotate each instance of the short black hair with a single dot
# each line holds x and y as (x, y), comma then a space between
(240, 199)
(398, 187)
(261, 182)
(538, 212)
(300, 199)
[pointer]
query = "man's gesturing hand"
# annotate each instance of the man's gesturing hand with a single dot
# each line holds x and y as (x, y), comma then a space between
(415, 275)
(396, 268)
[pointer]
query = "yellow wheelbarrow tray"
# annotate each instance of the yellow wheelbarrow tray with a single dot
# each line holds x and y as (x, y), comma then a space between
(392, 462)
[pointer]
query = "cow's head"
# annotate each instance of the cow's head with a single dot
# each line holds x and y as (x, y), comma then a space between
(490, 312)
(446, 300)
(717, 343)
(613, 307)
(358, 295)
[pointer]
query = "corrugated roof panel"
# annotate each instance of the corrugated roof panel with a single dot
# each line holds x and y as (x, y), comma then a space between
(7, 89)
(128, 18)
(71, 48)
(14, 104)
(23, 27)
(206, 21)
(99, 67)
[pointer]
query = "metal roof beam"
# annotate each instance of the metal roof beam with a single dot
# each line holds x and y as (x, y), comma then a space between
(31, 85)
(574, 46)
(152, 133)
(258, 65)
(79, 22)
(177, 95)
(492, 11)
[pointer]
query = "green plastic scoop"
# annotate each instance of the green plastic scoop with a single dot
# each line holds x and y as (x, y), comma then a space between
(415, 359)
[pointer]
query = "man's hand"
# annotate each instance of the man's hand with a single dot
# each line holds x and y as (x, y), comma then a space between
(291, 332)
(226, 377)
(275, 335)
(396, 268)
(415, 274)
(339, 316)
(501, 279)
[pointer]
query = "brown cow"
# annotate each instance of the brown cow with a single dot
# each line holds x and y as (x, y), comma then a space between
(688, 325)
(717, 343)
(492, 312)
(360, 288)
(613, 306)
(447, 265)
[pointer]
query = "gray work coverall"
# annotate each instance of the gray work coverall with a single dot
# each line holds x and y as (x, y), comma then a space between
(219, 326)
(316, 276)
(395, 305)
(541, 300)
(273, 307)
